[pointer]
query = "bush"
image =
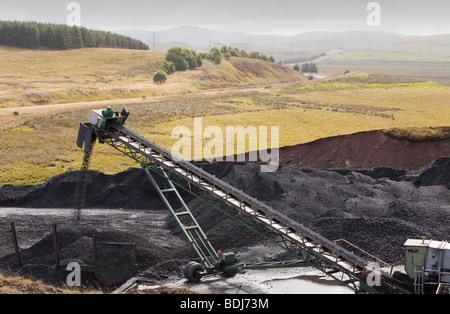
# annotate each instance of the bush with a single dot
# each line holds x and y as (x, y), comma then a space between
(254, 55)
(199, 60)
(160, 77)
(168, 67)
(183, 59)
(191, 60)
(227, 55)
(216, 55)
(296, 68)
(264, 57)
(178, 56)
(218, 60)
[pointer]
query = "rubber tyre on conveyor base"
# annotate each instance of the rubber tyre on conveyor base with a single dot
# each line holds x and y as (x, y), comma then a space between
(192, 272)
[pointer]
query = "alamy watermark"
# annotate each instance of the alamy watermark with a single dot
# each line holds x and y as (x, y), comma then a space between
(374, 17)
(74, 17)
(74, 277)
(212, 144)
(374, 276)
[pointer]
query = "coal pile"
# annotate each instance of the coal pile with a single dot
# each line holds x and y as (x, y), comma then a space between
(130, 189)
(376, 209)
(436, 174)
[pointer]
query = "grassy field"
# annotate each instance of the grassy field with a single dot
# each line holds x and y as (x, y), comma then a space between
(39, 144)
(45, 146)
(13, 284)
(31, 77)
(422, 66)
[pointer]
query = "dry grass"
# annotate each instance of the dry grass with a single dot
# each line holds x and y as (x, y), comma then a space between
(43, 145)
(415, 134)
(14, 284)
(244, 71)
(306, 115)
(32, 77)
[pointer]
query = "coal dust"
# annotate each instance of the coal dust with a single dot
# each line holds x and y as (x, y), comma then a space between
(82, 184)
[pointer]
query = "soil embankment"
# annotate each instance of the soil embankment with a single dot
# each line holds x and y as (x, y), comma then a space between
(363, 150)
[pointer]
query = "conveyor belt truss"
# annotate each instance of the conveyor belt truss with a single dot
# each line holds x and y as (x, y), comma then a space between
(307, 246)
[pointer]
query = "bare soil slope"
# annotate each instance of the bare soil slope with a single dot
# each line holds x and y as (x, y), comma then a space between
(364, 151)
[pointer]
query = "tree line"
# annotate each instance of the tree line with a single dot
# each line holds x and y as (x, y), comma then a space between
(306, 59)
(33, 35)
(307, 68)
(216, 54)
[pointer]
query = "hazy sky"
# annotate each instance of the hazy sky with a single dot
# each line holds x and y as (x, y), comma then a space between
(287, 17)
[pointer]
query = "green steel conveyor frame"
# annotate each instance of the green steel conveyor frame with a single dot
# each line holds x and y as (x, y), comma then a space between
(308, 247)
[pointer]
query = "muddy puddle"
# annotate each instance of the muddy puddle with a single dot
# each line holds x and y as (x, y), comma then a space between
(270, 281)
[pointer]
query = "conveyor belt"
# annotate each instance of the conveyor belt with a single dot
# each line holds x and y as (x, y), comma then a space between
(324, 253)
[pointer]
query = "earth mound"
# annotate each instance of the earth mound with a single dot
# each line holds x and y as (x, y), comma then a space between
(365, 150)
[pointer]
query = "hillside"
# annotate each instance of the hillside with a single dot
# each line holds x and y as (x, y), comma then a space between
(40, 77)
(43, 77)
(197, 36)
(346, 40)
(245, 71)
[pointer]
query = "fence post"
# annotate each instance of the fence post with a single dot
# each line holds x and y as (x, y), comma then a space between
(55, 244)
(16, 245)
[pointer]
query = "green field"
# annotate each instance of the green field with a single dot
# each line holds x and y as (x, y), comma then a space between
(422, 67)
(390, 57)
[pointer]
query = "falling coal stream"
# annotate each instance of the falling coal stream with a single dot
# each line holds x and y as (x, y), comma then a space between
(80, 192)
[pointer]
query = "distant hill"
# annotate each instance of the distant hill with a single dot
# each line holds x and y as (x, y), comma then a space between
(190, 36)
(197, 36)
(346, 40)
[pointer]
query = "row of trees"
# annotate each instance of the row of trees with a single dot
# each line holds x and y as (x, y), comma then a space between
(226, 52)
(182, 59)
(61, 37)
(307, 68)
(177, 59)
(306, 59)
